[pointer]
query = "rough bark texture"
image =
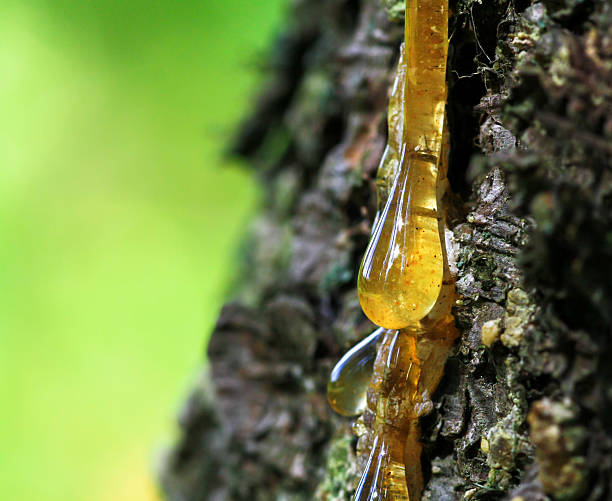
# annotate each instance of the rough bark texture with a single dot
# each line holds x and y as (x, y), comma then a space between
(524, 411)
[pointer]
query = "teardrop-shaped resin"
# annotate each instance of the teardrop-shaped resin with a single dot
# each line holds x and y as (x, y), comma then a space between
(401, 273)
(402, 270)
(405, 284)
(350, 377)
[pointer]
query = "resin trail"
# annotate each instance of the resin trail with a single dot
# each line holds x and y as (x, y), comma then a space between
(405, 284)
(406, 372)
(408, 368)
(404, 280)
(401, 272)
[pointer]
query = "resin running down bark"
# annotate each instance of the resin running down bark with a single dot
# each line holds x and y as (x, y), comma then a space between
(405, 284)
(407, 371)
(401, 273)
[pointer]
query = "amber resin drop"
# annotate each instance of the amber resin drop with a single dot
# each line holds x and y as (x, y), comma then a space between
(401, 273)
(405, 283)
(349, 380)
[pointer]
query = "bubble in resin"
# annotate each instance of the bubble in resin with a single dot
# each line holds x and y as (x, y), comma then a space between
(350, 378)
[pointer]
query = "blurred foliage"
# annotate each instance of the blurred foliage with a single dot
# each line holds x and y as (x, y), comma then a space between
(118, 224)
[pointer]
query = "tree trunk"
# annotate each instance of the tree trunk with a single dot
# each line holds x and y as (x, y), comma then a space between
(524, 411)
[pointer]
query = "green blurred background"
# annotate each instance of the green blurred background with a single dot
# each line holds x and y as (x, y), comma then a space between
(119, 223)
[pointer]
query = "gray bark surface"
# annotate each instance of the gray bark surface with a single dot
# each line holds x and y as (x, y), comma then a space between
(524, 411)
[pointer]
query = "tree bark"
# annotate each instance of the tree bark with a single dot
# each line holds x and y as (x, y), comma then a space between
(524, 411)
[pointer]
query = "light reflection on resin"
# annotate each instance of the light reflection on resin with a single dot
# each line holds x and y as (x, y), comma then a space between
(389, 163)
(349, 379)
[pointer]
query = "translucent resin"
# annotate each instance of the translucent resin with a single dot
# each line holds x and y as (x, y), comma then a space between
(407, 370)
(405, 284)
(404, 279)
(349, 380)
(401, 272)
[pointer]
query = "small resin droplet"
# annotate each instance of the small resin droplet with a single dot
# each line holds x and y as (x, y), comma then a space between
(349, 380)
